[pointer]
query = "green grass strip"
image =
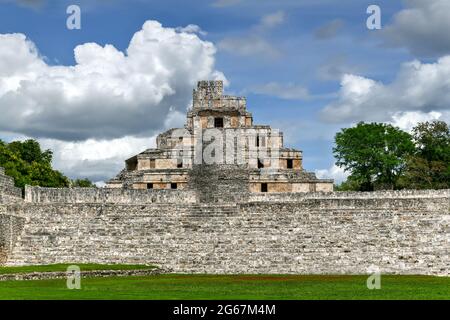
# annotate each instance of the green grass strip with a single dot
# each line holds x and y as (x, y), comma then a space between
(246, 287)
(63, 267)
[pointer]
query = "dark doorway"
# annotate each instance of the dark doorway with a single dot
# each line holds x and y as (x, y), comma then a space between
(264, 187)
(149, 186)
(290, 164)
(173, 186)
(260, 164)
(218, 122)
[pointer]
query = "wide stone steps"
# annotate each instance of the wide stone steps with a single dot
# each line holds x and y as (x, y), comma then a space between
(56, 236)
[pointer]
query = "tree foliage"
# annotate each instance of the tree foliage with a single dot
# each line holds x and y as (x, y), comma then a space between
(82, 183)
(380, 156)
(429, 166)
(28, 164)
(374, 153)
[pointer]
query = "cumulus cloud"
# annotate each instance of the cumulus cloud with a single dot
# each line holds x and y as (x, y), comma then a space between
(110, 104)
(288, 91)
(408, 120)
(422, 27)
(334, 172)
(329, 30)
(107, 93)
(418, 87)
(192, 28)
(99, 160)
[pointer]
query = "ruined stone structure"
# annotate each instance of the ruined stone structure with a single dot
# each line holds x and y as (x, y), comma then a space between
(8, 193)
(399, 232)
(10, 226)
(181, 212)
(220, 135)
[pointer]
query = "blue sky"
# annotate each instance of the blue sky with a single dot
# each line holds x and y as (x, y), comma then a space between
(263, 48)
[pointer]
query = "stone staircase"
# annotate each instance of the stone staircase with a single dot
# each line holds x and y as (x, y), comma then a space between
(203, 210)
(219, 184)
(130, 233)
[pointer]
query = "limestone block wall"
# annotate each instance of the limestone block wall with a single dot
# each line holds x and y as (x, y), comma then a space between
(10, 229)
(336, 233)
(8, 192)
(367, 196)
(114, 196)
(216, 228)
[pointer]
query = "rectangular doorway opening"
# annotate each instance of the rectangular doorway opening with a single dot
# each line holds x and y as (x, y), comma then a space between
(264, 187)
(290, 164)
(218, 122)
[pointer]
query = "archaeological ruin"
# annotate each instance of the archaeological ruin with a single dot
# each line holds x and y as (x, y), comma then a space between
(219, 132)
(223, 195)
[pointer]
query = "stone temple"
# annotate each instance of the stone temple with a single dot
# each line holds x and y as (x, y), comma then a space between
(243, 204)
(219, 143)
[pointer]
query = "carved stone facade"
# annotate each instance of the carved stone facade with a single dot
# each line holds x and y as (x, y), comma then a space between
(220, 134)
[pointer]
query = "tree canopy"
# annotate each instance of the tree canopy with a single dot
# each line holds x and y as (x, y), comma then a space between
(429, 166)
(28, 164)
(374, 153)
(381, 156)
(82, 183)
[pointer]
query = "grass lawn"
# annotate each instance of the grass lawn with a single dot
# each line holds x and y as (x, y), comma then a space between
(232, 287)
(63, 267)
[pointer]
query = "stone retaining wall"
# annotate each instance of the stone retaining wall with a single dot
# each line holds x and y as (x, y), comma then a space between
(347, 235)
(387, 194)
(84, 274)
(10, 229)
(98, 195)
(8, 192)
(400, 232)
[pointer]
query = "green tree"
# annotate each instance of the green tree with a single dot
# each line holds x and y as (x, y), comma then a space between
(29, 165)
(82, 183)
(374, 153)
(30, 151)
(348, 185)
(429, 166)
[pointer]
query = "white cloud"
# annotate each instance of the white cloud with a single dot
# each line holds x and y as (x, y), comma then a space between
(418, 87)
(192, 28)
(422, 27)
(100, 184)
(110, 104)
(408, 120)
(288, 91)
(107, 93)
(97, 160)
(334, 172)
